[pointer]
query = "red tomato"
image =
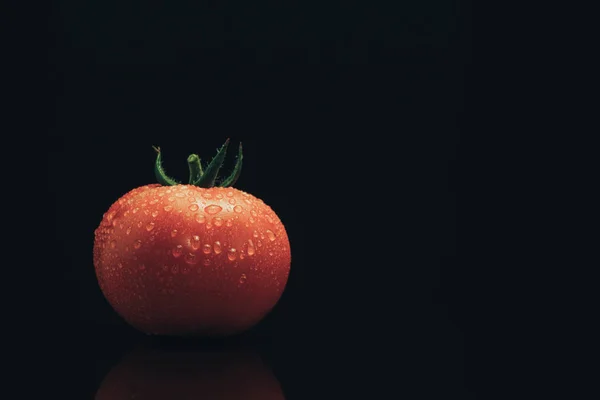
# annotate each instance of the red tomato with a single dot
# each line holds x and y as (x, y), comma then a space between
(151, 373)
(185, 260)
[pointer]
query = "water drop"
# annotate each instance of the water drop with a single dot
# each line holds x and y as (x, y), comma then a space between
(229, 222)
(248, 201)
(230, 194)
(177, 250)
(242, 256)
(271, 235)
(219, 196)
(259, 243)
(269, 219)
(206, 262)
(150, 226)
(255, 233)
(193, 207)
(195, 242)
(142, 267)
(113, 244)
(171, 199)
(252, 220)
(165, 268)
(191, 199)
(154, 201)
(175, 269)
(200, 218)
(270, 253)
(139, 224)
(190, 258)
(253, 213)
(119, 265)
(154, 213)
(218, 221)
(180, 195)
(251, 250)
(231, 201)
(217, 247)
(209, 226)
(135, 210)
(168, 208)
(262, 235)
(213, 209)
(207, 195)
(232, 254)
(237, 209)
(174, 233)
(206, 249)
(137, 244)
(243, 278)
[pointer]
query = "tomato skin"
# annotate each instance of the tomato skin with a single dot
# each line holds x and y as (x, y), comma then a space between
(185, 260)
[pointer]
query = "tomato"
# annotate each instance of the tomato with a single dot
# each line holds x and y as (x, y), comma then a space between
(181, 259)
(153, 373)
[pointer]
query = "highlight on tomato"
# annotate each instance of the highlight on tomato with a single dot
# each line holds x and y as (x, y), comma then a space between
(200, 258)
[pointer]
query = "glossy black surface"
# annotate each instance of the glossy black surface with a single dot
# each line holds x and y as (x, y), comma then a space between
(350, 118)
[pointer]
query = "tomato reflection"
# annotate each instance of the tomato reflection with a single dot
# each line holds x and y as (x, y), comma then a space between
(158, 372)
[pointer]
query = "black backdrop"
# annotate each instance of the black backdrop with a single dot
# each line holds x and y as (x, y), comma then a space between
(350, 118)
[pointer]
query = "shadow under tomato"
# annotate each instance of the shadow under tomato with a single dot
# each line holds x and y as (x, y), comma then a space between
(174, 370)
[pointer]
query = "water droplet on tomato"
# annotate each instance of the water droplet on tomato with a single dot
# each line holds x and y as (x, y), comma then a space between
(230, 194)
(209, 226)
(270, 253)
(229, 222)
(200, 218)
(237, 209)
(252, 220)
(137, 244)
(243, 278)
(135, 210)
(248, 201)
(253, 213)
(219, 196)
(119, 265)
(195, 242)
(177, 250)
(255, 233)
(190, 258)
(150, 226)
(218, 221)
(251, 249)
(168, 208)
(207, 248)
(180, 195)
(142, 267)
(270, 235)
(139, 224)
(213, 209)
(206, 262)
(193, 207)
(128, 231)
(207, 195)
(259, 243)
(171, 199)
(231, 201)
(217, 247)
(191, 199)
(175, 269)
(232, 254)
(154, 213)
(269, 219)
(174, 233)
(113, 244)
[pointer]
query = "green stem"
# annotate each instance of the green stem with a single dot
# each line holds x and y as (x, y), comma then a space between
(232, 179)
(195, 168)
(208, 178)
(159, 171)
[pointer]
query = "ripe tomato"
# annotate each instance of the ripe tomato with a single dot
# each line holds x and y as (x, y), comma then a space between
(180, 259)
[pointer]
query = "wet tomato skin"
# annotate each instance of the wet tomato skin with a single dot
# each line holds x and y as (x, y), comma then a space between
(185, 260)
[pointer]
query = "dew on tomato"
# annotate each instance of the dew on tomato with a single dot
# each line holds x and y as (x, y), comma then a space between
(214, 232)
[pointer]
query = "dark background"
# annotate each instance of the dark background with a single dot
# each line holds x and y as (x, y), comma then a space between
(350, 116)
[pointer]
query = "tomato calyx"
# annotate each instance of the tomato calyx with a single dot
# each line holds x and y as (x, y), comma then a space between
(205, 178)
